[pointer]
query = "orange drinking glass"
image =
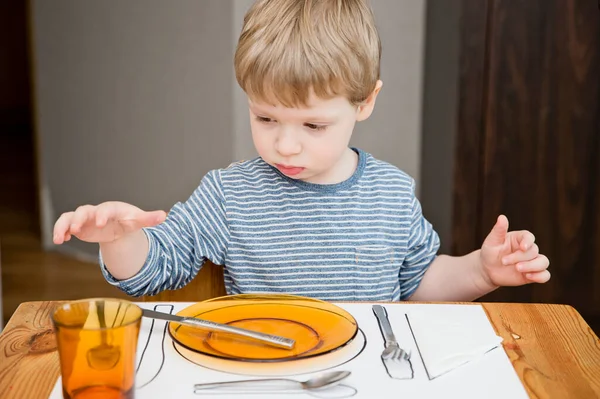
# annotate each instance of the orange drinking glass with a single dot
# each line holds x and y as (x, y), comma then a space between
(97, 343)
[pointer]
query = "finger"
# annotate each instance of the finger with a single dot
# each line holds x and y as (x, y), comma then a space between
(104, 213)
(525, 240)
(149, 219)
(538, 277)
(498, 234)
(536, 265)
(520, 256)
(67, 237)
(81, 216)
(61, 227)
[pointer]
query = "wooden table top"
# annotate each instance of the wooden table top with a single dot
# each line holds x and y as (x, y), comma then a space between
(553, 350)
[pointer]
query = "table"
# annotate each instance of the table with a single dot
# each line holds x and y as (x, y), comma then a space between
(553, 350)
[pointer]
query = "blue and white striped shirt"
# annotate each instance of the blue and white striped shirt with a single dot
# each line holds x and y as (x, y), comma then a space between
(361, 239)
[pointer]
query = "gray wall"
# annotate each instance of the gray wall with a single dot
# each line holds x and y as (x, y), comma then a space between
(440, 99)
(136, 100)
(393, 132)
(242, 146)
(133, 99)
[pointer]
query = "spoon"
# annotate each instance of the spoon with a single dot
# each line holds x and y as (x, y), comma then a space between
(325, 380)
(104, 356)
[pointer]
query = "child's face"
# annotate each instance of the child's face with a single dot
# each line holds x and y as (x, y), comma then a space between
(310, 143)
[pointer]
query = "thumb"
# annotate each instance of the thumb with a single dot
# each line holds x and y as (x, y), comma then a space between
(498, 234)
(150, 219)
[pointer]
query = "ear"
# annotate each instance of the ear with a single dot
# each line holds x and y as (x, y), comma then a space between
(366, 109)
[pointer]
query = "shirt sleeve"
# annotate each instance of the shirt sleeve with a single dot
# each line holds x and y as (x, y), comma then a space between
(423, 245)
(194, 231)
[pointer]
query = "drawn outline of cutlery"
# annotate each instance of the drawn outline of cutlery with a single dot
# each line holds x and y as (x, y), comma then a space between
(395, 359)
(154, 337)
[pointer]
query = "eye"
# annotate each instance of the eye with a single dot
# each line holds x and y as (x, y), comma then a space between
(263, 119)
(314, 127)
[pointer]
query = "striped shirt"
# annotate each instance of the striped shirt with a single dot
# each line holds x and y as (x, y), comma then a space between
(362, 239)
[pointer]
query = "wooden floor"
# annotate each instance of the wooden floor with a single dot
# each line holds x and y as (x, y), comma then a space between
(28, 272)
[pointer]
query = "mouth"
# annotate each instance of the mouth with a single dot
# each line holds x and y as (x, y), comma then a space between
(289, 170)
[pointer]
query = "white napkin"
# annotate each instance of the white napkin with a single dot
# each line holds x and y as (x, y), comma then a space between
(453, 337)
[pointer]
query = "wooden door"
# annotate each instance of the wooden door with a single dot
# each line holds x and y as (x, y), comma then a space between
(528, 140)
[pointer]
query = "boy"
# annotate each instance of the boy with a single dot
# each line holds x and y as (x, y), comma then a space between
(310, 216)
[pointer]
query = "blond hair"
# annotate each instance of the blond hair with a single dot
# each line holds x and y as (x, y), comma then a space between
(288, 48)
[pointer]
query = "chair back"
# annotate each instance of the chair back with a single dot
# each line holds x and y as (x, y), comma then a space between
(207, 284)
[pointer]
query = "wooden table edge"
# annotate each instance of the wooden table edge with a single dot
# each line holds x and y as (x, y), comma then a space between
(486, 306)
(493, 311)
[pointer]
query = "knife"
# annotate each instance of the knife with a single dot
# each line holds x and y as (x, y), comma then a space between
(395, 359)
(274, 340)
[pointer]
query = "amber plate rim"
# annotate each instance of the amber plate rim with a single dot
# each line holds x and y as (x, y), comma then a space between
(277, 360)
(176, 347)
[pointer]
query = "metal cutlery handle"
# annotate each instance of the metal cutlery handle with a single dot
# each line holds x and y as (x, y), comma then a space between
(276, 384)
(338, 392)
(272, 339)
(275, 340)
(384, 324)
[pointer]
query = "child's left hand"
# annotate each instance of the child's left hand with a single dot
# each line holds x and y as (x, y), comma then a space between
(512, 258)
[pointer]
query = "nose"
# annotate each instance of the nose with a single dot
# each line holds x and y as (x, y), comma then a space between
(287, 143)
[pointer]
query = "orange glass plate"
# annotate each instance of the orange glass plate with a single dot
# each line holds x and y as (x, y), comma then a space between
(318, 327)
(297, 367)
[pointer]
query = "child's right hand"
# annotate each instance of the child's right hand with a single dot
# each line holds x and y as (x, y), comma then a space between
(104, 223)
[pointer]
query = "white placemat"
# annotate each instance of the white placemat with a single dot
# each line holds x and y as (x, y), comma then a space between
(165, 374)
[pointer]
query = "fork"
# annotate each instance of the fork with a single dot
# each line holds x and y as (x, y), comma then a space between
(395, 359)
